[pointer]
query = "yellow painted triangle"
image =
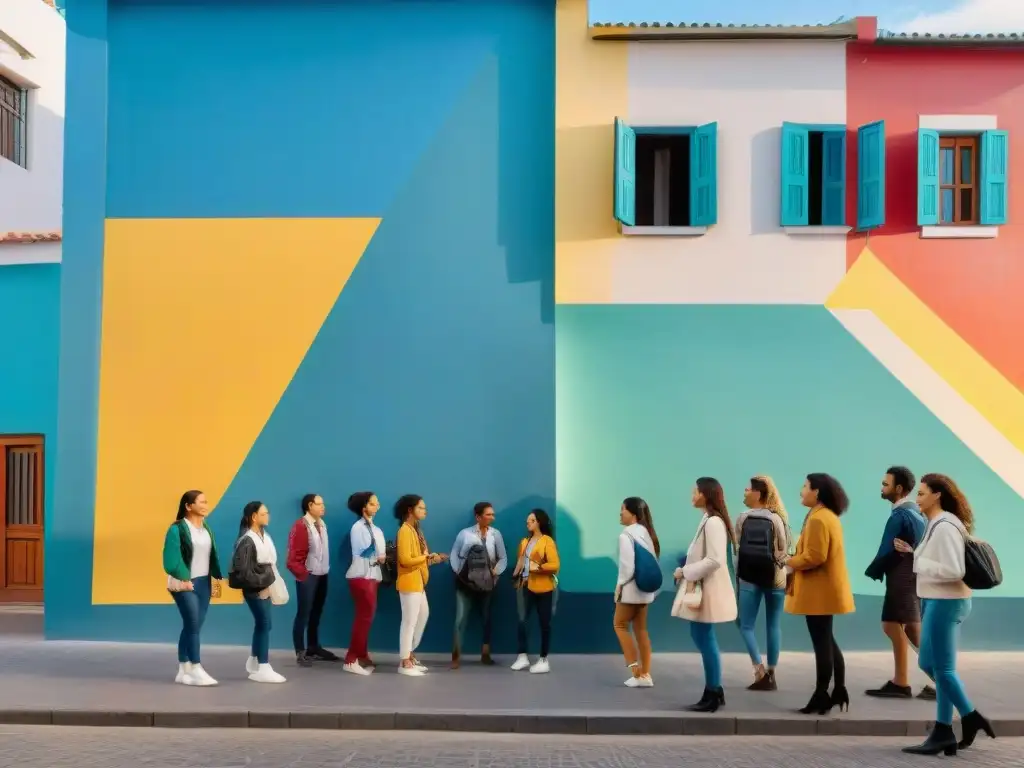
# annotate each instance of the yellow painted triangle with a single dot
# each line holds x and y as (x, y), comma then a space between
(205, 322)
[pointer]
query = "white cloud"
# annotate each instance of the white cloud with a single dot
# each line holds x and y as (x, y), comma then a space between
(968, 16)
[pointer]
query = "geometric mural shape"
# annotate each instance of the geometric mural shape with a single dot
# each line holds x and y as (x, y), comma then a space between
(205, 322)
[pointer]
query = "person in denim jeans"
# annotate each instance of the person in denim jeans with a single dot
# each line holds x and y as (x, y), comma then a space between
(763, 502)
(940, 563)
(190, 561)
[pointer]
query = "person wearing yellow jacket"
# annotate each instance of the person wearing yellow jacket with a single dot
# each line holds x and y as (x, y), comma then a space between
(820, 587)
(535, 578)
(413, 558)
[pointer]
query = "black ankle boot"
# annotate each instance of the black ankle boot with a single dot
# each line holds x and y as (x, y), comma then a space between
(941, 739)
(972, 723)
(820, 704)
(840, 698)
(712, 699)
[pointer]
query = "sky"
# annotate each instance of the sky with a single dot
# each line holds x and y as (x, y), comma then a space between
(896, 15)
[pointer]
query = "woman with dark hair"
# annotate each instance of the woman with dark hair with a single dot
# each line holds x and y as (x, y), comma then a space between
(820, 588)
(414, 557)
(940, 562)
(706, 596)
(309, 560)
(630, 601)
(535, 579)
(364, 577)
(254, 571)
(190, 562)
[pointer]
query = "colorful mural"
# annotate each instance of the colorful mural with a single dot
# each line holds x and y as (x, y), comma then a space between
(407, 277)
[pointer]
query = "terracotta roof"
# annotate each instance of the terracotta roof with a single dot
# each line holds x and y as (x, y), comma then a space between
(27, 238)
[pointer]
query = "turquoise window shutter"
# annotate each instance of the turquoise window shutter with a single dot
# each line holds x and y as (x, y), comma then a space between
(995, 149)
(704, 176)
(927, 177)
(833, 178)
(625, 173)
(871, 176)
(795, 175)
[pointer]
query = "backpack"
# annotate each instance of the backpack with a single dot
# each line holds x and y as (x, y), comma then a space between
(476, 573)
(981, 566)
(389, 570)
(755, 563)
(646, 570)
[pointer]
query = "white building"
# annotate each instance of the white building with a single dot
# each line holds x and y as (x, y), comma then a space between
(32, 45)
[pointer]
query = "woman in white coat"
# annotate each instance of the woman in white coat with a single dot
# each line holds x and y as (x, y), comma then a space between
(706, 596)
(630, 601)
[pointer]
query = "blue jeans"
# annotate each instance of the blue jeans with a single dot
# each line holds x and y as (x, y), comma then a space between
(940, 629)
(192, 606)
(750, 604)
(704, 638)
(261, 629)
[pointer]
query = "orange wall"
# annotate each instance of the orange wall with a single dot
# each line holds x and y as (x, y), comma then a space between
(976, 286)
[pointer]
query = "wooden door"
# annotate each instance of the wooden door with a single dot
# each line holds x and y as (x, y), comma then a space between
(21, 518)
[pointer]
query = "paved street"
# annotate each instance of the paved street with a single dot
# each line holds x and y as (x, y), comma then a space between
(39, 747)
(71, 683)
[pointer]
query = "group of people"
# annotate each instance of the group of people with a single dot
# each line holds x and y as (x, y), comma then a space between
(922, 558)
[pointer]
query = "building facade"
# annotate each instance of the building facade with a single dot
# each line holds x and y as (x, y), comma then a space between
(516, 257)
(32, 43)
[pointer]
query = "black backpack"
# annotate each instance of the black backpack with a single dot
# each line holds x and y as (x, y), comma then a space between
(756, 561)
(476, 573)
(389, 569)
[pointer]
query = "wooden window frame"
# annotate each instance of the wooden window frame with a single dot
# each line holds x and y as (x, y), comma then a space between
(956, 143)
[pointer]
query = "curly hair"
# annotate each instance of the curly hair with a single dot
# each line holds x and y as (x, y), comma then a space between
(951, 498)
(831, 494)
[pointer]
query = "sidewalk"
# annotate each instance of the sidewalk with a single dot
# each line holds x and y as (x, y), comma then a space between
(111, 684)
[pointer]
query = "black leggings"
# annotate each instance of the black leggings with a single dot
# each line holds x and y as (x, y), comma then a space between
(543, 603)
(827, 656)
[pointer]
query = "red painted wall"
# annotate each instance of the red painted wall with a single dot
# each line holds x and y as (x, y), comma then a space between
(976, 286)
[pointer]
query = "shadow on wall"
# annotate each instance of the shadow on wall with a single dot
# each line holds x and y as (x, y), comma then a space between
(766, 182)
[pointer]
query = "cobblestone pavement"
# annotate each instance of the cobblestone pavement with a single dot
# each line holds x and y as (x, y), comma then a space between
(41, 747)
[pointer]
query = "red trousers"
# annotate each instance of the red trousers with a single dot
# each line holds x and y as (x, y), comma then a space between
(364, 596)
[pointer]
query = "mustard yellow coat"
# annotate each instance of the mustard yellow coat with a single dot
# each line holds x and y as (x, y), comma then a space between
(413, 572)
(545, 554)
(821, 585)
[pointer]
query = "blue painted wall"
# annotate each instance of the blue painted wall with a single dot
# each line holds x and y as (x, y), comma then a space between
(30, 317)
(434, 373)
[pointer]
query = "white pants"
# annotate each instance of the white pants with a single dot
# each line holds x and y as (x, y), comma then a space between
(414, 620)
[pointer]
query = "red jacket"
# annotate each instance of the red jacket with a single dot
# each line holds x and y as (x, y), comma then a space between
(298, 549)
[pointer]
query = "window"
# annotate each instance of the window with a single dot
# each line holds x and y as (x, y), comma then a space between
(13, 129)
(814, 175)
(665, 178)
(961, 178)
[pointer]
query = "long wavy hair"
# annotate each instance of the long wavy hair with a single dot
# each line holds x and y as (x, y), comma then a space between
(714, 503)
(642, 512)
(772, 501)
(951, 498)
(831, 494)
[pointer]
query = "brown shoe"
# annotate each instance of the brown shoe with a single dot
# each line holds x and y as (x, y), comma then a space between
(455, 658)
(764, 683)
(485, 656)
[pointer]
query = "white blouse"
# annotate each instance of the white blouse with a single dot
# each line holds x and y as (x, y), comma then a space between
(202, 550)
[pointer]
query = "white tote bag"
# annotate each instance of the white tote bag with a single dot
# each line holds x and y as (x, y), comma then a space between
(278, 590)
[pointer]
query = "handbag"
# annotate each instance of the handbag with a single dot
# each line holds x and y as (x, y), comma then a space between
(981, 566)
(691, 593)
(176, 585)
(278, 590)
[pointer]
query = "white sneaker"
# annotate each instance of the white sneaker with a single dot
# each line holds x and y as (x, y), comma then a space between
(419, 665)
(410, 671)
(252, 665)
(356, 669)
(265, 674)
(522, 662)
(646, 681)
(198, 676)
(183, 669)
(540, 668)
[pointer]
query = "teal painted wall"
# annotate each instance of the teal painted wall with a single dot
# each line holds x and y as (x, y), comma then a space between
(30, 317)
(652, 397)
(434, 372)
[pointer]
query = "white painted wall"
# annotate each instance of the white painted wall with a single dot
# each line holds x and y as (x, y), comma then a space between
(31, 199)
(750, 89)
